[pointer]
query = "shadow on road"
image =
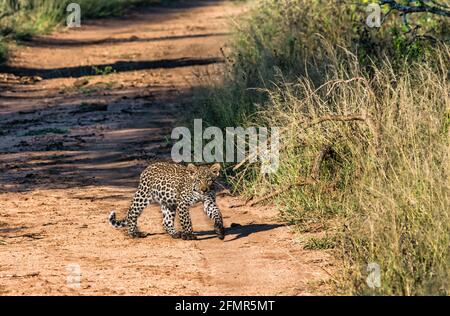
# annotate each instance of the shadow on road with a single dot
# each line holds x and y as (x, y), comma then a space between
(120, 66)
(54, 43)
(62, 147)
(239, 231)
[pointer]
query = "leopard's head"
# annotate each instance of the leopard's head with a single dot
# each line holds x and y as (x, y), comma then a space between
(204, 176)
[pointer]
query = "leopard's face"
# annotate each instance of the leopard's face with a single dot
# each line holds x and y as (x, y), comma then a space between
(203, 177)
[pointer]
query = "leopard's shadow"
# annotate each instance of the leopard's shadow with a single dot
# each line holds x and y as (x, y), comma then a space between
(238, 231)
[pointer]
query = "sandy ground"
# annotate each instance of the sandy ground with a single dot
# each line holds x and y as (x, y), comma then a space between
(72, 147)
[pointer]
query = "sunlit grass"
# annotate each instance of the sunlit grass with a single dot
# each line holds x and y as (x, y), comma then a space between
(22, 19)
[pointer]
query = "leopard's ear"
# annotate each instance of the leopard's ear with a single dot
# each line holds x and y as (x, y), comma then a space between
(191, 168)
(215, 168)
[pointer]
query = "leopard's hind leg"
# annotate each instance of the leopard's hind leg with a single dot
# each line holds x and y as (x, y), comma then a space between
(185, 221)
(169, 213)
(140, 201)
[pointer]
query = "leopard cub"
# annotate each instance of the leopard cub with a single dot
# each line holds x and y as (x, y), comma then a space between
(175, 188)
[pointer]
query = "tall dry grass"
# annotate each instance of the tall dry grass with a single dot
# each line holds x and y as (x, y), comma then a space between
(384, 190)
(381, 104)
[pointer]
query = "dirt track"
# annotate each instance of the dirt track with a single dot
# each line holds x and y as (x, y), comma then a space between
(73, 144)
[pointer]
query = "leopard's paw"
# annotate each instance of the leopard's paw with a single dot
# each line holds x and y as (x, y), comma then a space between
(138, 234)
(188, 236)
(220, 231)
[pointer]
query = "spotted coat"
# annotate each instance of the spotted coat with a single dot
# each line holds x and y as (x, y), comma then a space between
(175, 188)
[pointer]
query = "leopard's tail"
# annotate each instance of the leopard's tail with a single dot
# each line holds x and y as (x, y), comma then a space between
(117, 223)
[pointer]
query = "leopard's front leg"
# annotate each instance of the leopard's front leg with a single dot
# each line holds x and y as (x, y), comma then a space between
(213, 212)
(185, 221)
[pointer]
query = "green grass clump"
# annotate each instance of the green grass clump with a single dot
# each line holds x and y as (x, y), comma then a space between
(103, 72)
(320, 243)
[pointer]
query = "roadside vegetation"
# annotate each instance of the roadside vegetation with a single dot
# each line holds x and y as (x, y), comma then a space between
(22, 19)
(364, 115)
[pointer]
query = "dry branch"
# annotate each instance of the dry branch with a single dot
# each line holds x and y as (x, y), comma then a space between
(436, 8)
(28, 235)
(338, 118)
(314, 175)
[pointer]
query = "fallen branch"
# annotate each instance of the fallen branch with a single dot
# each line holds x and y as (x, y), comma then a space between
(32, 274)
(30, 235)
(314, 175)
(338, 118)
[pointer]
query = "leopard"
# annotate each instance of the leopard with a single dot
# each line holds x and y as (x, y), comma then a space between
(175, 187)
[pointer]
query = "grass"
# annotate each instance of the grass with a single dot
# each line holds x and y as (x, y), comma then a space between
(383, 193)
(22, 19)
(386, 184)
(103, 72)
(320, 243)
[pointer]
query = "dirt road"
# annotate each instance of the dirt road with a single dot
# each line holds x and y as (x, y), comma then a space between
(73, 144)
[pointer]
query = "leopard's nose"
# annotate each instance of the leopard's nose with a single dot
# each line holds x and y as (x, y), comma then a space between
(204, 188)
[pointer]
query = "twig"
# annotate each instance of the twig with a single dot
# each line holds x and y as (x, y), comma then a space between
(339, 118)
(32, 274)
(329, 274)
(386, 15)
(336, 82)
(312, 179)
(30, 235)
(314, 175)
(423, 7)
